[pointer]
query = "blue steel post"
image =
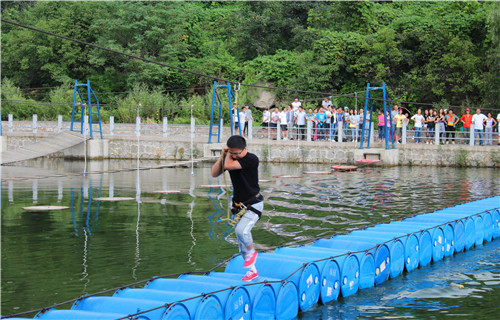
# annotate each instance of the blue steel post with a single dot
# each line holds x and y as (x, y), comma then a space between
(74, 105)
(387, 118)
(230, 94)
(98, 110)
(89, 106)
(370, 121)
(212, 112)
(364, 118)
(390, 118)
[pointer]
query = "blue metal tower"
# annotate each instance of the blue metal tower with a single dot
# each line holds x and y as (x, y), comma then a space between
(216, 112)
(387, 118)
(85, 104)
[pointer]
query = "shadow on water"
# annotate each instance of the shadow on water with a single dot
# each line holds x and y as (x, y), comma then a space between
(55, 256)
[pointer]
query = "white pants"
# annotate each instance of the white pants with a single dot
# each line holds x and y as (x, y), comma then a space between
(244, 227)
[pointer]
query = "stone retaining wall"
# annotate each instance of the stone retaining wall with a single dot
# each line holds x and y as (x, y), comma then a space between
(179, 148)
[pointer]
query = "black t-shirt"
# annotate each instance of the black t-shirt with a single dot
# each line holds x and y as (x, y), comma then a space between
(246, 180)
(431, 124)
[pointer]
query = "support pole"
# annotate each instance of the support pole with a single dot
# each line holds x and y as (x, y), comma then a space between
(35, 123)
(59, 123)
(471, 138)
(165, 126)
(111, 125)
(10, 122)
(436, 136)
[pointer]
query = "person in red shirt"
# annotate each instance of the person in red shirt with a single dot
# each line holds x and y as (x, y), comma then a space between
(466, 119)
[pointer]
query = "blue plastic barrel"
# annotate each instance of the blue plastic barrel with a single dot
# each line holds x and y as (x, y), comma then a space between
(349, 265)
(287, 300)
(235, 302)
(488, 226)
(448, 240)
(349, 271)
(396, 250)
(495, 217)
(329, 271)
(200, 308)
(410, 243)
(132, 306)
(380, 253)
(436, 233)
(424, 241)
(262, 295)
(455, 227)
(78, 315)
(474, 227)
(305, 277)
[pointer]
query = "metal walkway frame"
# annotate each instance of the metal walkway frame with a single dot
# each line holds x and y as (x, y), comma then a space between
(85, 104)
(216, 111)
(387, 118)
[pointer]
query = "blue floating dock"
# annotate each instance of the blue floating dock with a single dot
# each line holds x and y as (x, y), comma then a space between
(296, 278)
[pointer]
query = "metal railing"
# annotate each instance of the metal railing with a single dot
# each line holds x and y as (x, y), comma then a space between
(311, 131)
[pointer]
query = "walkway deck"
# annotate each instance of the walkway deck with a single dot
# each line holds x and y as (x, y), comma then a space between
(55, 143)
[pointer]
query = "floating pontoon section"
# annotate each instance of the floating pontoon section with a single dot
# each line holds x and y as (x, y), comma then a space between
(293, 279)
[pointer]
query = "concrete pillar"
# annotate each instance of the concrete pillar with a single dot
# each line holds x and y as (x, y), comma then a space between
(436, 135)
(111, 125)
(10, 123)
(193, 127)
(250, 125)
(35, 123)
(165, 126)
(278, 130)
(341, 131)
(372, 133)
(309, 131)
(86, 125)
(221, 128)
(59, 123)
(403, 137)
(471, 138)
(138, 126)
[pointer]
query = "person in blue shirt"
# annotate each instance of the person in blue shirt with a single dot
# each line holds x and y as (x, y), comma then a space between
(321, 120)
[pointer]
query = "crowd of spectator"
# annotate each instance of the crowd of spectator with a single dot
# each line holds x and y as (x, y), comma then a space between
(326, 120)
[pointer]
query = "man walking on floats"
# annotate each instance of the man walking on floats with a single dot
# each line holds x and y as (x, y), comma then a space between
(243, 169)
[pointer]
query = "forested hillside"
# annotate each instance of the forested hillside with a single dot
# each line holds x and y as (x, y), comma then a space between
(430, 52)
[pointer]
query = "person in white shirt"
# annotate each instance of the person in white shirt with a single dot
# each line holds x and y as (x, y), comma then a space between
(283, 124)
(300, 119)
(489, 123)
(498, 121)
(419, 120)
(266, 118)
(290, 120)
(326, 104)
(275, 116)
(328, 123)
(242, 121)
(236, 119)
(477, 121)
(296, 104)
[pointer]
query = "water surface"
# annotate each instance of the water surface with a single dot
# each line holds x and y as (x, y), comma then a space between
(50, 257)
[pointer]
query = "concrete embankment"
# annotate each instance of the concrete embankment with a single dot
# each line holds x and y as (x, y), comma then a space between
(179, 148)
